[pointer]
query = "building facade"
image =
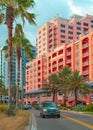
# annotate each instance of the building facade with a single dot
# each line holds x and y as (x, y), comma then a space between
(4, 67)
(53, 54)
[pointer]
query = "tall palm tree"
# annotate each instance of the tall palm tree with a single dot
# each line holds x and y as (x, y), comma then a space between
(52, 84)
(11, 9)
(20, 42)
(63, 73)
(77, 84)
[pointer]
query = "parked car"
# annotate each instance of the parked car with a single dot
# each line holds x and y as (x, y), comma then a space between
(27, 106)
(36, 105)
(49, 109)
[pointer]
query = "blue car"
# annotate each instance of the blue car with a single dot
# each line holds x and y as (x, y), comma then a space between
(49, 109)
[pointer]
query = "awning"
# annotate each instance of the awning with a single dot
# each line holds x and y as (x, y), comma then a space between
(91, 84)
(37, 92)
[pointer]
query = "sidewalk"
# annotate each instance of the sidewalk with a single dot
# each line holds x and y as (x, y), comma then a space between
(32, 123)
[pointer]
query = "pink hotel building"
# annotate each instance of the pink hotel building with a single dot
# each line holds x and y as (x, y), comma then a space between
(62, 42)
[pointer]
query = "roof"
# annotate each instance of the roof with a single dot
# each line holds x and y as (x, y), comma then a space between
(37, 92)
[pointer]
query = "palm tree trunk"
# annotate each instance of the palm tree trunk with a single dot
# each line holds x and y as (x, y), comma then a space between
(10, 71)
(65, 100)
(18, 76)
(54, 93)
(9, 23)
(76, 96)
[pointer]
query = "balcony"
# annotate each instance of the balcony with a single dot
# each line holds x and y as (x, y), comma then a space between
(85, 63)
(68, 61)
(60, 63)
(85, 54)
(54, 65)
(68, 53)
(85, 72)
(85, 45)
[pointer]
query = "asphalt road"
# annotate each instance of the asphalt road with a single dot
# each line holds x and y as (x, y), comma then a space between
(68, 121)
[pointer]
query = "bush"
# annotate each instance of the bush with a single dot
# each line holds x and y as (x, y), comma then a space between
(89, 108)
(4, 108)
(79, 108)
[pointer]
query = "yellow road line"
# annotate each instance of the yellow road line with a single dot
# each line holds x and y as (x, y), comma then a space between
(80, 122)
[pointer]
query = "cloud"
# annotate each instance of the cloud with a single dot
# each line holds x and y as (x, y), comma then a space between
(75, 9)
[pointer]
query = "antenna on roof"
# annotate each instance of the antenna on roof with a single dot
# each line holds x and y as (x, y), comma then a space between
(57, 16)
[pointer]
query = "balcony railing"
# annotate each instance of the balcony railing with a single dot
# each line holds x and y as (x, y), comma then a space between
(85, 54)
(85, 45)
(85, 72)
(85, 63)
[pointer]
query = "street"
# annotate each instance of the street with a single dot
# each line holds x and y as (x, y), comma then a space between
(68, 121)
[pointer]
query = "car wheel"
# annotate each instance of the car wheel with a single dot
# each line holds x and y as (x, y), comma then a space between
(58, 116)
(43, 116)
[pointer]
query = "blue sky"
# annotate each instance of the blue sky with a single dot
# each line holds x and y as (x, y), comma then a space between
(47, 9)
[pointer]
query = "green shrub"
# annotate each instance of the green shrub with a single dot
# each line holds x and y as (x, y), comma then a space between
(4, 108)
(79, 108)
(89, 108)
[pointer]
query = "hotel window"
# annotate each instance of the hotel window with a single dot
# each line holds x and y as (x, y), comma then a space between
(77, 47)
(70, 27)
(62, 25)
(44, 39)
(44, 49)
(77, 56)
(78, 28)
(78, 23)
(77, 64)
(70, 37)
(39, 32)
(91, 21)
(62, 36)
(44, 29)
(70, 32)
(62, 41)
(85, 24)
(44, 34)
(78, 33)
(63, 31)
(39, 47)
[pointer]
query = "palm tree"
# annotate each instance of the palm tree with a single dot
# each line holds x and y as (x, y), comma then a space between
(63, 73)
(77, 84)
(52, 84)
(20, 42)
(11, 9)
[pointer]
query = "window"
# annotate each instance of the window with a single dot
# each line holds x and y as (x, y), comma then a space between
(63, 31)
(70, 32)
(78, 23)
(62, 36)
(77, 47)
(62, 41)
(91, 26)
(78, 28)
(77, 64)
(70, 27)
(77, 56)
(62, 25)
(78, 33)
(91, 21)
(70, 37)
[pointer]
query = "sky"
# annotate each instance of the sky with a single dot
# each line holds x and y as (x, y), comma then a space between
(46, 10)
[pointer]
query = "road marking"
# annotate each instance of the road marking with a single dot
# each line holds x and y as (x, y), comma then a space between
(80, 122)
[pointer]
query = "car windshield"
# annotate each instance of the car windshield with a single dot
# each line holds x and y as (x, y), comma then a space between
(49, 104)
